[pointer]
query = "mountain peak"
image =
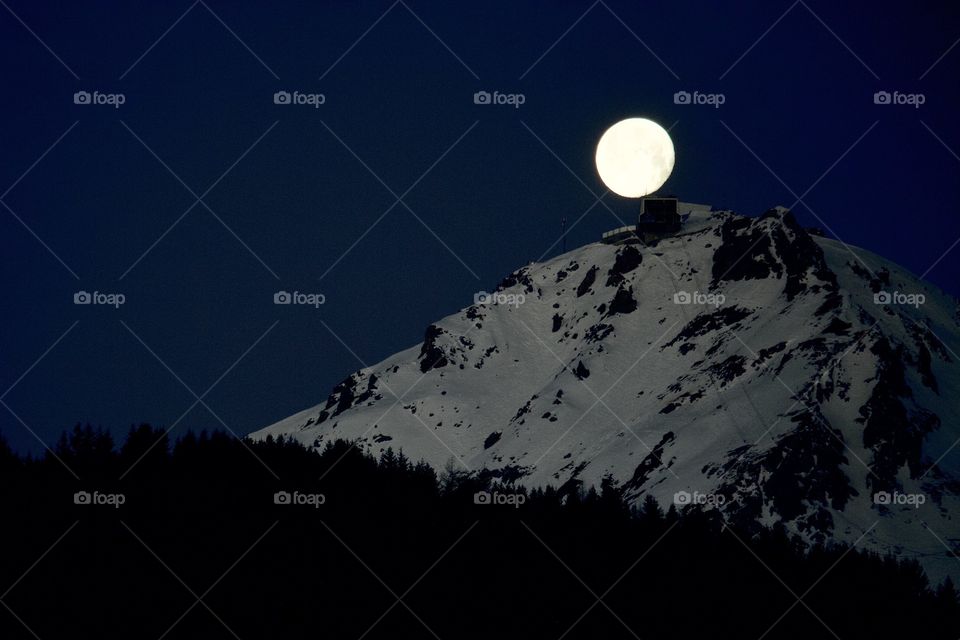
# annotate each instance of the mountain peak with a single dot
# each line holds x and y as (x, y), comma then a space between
(744, 359)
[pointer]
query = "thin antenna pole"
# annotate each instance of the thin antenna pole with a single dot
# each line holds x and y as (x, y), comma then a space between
(563, 232)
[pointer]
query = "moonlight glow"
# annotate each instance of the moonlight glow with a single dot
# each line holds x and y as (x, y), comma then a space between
(635, 157)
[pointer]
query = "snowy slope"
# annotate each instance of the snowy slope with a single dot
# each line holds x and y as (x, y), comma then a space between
(783, 387)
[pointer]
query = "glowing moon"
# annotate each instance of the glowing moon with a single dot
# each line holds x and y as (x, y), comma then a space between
(635, 157)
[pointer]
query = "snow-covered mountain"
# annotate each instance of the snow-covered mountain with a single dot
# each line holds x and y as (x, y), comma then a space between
(746, 363)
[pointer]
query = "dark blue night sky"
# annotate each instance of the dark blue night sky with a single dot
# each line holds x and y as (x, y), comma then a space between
(483, 187)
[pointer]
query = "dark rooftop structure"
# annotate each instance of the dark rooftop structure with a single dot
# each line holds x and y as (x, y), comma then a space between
(659, 217)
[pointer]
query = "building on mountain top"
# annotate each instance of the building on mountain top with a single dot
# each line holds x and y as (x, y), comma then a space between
(659, 218)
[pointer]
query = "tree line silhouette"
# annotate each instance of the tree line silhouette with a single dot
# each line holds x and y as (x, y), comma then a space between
(208, 543)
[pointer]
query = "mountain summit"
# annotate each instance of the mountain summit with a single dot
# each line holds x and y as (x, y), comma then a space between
(745, 365)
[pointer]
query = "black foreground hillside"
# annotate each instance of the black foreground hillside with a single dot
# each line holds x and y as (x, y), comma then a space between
(199, 520)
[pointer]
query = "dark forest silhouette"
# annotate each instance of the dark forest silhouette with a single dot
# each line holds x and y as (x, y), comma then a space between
(201, 502)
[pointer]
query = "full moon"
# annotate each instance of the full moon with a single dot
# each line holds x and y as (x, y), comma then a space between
(635, 157)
